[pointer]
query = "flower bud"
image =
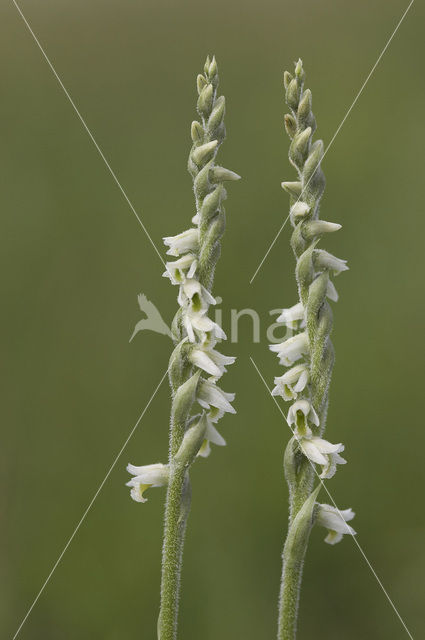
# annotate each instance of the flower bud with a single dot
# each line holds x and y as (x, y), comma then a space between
(220, 174)
(204, 153)
(287, 77)
(201, 83)
(292, 95)
(293, 188)
(196, 132)
(290, 125)
(205, 100)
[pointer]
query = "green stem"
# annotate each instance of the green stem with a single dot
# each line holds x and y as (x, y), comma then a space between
(293, 557)
(176, 513)
(294, 552)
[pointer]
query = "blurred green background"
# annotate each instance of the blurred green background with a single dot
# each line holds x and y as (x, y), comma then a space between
(74, 258)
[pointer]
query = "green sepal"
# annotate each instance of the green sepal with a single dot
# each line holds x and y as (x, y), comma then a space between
(179, 366)
(184, 399)
(312, 174)
(212, 203)
(304, 270)
(299, 532)
(192, 442)
(201, 183)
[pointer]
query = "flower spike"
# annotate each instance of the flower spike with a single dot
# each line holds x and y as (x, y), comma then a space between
(308, 352)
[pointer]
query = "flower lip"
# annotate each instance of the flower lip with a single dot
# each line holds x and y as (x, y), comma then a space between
(299, 415)
(335, 520)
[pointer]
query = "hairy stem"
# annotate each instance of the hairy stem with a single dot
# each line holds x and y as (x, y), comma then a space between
(195, 336)
(176, 513)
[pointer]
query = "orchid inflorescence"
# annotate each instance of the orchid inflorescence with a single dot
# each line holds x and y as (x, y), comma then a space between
(196, 366)
(308, 353)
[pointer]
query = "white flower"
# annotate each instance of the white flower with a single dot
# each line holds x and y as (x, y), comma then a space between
(299, 210)
(335, 521)
(192, 291)
(322, 452)
(221, 360)
(291, 349)
(211, 436)
(325, 260)
(150, 475)
(299, 415)
(199, 321)
(290, 317)
(209, 395)
(292, 382)
(183, 242)
(204, 361)
(182, 268)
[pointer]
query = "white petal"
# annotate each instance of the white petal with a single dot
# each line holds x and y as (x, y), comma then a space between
(210, 394)
(214, 436)
(312, 452)
(331, 291)
(149, 474)
(335, 520)
(302, 381)
(202, 360)
(183, 242)
(327, 447)
(291, 315)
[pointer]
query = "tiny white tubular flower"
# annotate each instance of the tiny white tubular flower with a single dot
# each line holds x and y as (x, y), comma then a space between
(192, 290)
(322, 452)
(292, 382)
(299, 210)
(182, 268)
(221, 360)
(183, 242)
(150, 475)
(210, 330)
(335, 521)
(300, 414)
(290, 317)
(325, 260)
(291, 349)
(211, 436)
(209, 395)
(202, 359)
